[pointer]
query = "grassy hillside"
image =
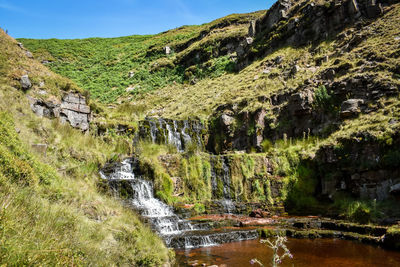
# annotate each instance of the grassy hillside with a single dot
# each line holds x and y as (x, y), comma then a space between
(102, 65)
(178, 87)
(52, 210)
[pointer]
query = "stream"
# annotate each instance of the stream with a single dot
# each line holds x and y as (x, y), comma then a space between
(306, 253)
(197, 244)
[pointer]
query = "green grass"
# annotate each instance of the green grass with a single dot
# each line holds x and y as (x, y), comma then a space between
(46, 219)
(53, 210)
(165, 86)
(102, 65)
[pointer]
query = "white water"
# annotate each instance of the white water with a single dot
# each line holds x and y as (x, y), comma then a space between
(174, 137)
(173, 134)
(205, 241)
(161, 216)
(176, 232)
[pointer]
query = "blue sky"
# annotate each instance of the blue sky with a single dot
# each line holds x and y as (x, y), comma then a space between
(112, 18)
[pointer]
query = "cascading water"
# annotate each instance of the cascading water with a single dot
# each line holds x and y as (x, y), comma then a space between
(160, 215)
(226, 200)
(174, 136)
(153, 131)
(186, 137)
(227, 203)
(180, 134)
(176, 232)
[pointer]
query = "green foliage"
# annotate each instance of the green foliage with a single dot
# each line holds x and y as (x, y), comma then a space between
(258, 191)
(268, 193)
(164, 187)
(102, 65)
(199, 208)
(15, 161)
(301, 190)
(196, 172)
(45, 219)
(323, 100)
(359, 211)
(266, 145)
(247, 167)
(220, 189)
(213, 68)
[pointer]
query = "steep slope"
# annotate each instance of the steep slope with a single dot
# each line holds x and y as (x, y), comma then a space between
(120, 67)
(301, 109)
(53, 208)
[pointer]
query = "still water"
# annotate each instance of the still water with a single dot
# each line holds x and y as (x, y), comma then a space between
(310, 253)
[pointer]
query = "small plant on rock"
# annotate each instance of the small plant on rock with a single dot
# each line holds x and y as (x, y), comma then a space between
(323, 100)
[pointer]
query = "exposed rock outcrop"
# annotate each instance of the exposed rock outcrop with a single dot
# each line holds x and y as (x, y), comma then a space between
(25, 82)
(350, 107)
(180, 134)
(75, 111)
(282, 24)
(72, 109)
(367, 169)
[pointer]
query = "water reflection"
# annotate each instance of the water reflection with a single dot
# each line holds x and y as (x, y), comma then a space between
(307, 253)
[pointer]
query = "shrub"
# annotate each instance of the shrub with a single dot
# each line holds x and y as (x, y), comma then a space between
(323, 100)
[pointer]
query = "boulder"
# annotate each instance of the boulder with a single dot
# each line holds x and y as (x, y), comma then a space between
(301, 103)
(25, 82)
(329, 74)
(226, 120)
(295, 69)
(278, 60)
(252, 28)
(130, 89)
(44, 109)
(75, 111)
(167, 50)
(249, 40)
(350, 107)
(28, 54)
(259, 213)
(276, 13)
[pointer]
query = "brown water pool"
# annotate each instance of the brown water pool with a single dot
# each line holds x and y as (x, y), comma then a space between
(310, 253)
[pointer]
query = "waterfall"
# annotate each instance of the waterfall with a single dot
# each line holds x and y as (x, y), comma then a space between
(224, 174)
(202, 241)
(153, 131)
(186, 137)
(160, 216)
(176, 232)
(227, 203)
(180, 134)
(174, 136)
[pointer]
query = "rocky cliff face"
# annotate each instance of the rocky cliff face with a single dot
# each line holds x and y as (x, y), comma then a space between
(298, 23)
(368, 169)
(72, 109)
(180, 134)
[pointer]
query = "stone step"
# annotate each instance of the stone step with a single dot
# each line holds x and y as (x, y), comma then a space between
(196, 239)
